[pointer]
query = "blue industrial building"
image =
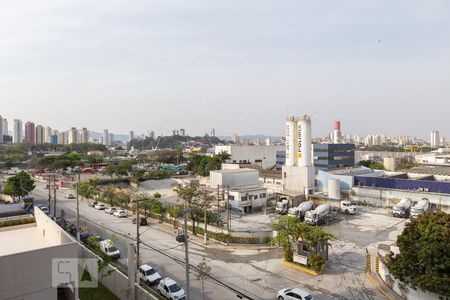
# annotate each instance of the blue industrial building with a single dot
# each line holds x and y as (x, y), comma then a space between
(407, 184)
(333, 156)
(326, 156)
(346, 177)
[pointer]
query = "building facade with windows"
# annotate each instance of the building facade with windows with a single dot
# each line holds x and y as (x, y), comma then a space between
(333, 156)
(244, 192)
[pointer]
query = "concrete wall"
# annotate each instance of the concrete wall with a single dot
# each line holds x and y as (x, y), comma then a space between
(116, 282)
(387, 198)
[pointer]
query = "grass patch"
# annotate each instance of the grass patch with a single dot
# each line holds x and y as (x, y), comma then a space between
(99, 293)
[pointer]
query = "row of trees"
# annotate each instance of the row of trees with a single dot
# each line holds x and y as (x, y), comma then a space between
(202, 165)
(166, 142)
(371, 164)
(199, 201)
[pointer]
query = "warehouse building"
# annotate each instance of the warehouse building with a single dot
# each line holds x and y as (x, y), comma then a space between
(262, 155)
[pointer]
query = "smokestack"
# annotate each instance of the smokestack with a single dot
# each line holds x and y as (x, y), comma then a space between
(337, 132)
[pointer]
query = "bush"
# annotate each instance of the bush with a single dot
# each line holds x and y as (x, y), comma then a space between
(15, 222)
(288, 254)
(316, 262)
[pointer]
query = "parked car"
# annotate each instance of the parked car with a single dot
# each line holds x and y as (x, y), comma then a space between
(110, 210)
(69, 196)
(45, 210)
(170, 289)
(109, 249)
(100, 206)
(142, 221)
(92, 203)
(293, 294)
(148, 274)
(120, 213)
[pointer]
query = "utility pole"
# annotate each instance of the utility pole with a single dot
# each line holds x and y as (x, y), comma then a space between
(186, 250)
(54, 200)
(218, 206)
(137, 233)
(78, 208)
(49, 193)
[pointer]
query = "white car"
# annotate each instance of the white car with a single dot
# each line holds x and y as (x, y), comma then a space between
(69, 196)
(294, 294)
(120, 214)
(109, 249)
(100, 206)
(110, 210)
(148, 274)
(170, 289)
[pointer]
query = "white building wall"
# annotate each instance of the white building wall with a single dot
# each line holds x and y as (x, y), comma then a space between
(243, 177)
(265, 155)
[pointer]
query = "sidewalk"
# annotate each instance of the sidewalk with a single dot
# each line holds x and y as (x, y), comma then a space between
(382, 287)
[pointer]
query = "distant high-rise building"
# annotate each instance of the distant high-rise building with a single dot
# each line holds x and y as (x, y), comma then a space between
(39, 134)
(83, 136)
(111, 139)
(131, 136)
(268, 142)
(72, 136)
(17, 131)
(53, 139)
(5, 127)
(62, 138)
(442, 141)
(106, 137)
(30, 133)
(47, 134)
(213, 133)
(152, 134)
(235, 138)
(256, 142)
(1, 129)
(435, 141)
(182, 132)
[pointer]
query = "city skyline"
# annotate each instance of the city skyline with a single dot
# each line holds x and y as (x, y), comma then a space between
(97, 63)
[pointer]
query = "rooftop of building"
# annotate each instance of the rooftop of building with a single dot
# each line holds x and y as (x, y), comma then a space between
(17, 240)
(271, 173)
(232, 171)
(430, 170)
(350, 171)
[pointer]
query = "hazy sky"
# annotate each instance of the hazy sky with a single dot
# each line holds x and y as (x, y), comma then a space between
(236, 66)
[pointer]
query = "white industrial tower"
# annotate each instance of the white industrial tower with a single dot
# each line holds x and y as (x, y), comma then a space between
(298, 171)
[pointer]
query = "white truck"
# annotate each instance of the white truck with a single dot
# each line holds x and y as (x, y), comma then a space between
(317, 216)
(109, 249)
(420, 207)
(347, 207)
(301, 210)
(402, 208)
(282, 207)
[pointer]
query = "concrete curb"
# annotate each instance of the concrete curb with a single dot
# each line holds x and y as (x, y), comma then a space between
(379, 288)
(300, 268)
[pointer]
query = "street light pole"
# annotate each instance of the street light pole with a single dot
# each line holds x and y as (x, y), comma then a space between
(186, 250)
(78, 208)
(54, 200)
(49, 193)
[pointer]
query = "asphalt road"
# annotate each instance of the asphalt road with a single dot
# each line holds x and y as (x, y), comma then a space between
(256, 273)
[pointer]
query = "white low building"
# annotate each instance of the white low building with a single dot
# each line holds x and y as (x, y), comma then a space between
(26, 254)
(262, 155)
(244, 192)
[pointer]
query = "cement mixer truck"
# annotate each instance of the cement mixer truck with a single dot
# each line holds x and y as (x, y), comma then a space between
(421, 207)
(402, 208)
(301, 210)
(318, 216)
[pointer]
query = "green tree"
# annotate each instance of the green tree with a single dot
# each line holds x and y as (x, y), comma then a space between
(19, 185)
(189, 192)
(424, 258)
